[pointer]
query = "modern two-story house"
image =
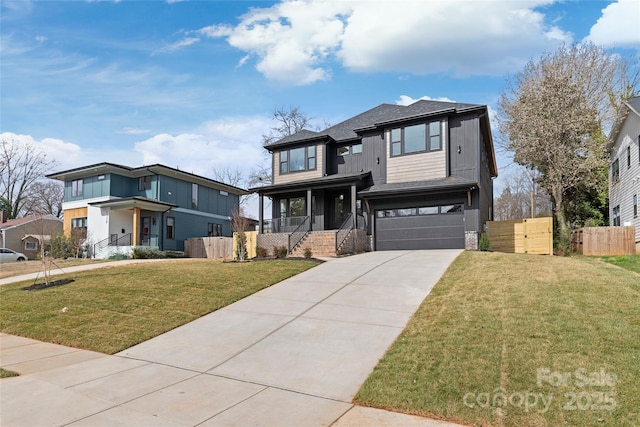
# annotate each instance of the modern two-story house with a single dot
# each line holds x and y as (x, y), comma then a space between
(116, 208)
(624, 173)
(408, 177)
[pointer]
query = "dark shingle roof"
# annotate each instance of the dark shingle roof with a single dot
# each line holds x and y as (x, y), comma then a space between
(382, 114)
(634, 103)
(418, 186)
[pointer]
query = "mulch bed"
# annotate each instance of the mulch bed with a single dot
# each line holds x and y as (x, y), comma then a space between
(38, 286)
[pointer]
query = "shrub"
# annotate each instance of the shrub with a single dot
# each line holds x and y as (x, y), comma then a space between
(483, 244)
(173, 254)
(146, 253)
(280, 251)
(261, 252)
(307, 253)
(119, 256)
(61, 246)
(241, 246)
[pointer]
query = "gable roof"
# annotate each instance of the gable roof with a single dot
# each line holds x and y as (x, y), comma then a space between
(106, 167)
(12, 223)
(383, 114)
(628, 106)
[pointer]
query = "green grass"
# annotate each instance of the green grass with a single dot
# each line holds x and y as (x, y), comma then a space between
(493, 320)
(111, 309)
(4, 373)
(629, 262)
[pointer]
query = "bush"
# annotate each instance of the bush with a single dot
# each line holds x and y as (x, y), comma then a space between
(562, 243)
(261, 252)
(241, 246)
(280, 251)
(173, 254)
(61, 246)
(483, 244)
(307, 253)
(119, 256)
(146, 253)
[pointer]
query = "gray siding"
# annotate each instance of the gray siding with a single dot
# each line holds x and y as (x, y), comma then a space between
(189, 225)
(374, 152)
(464, 146)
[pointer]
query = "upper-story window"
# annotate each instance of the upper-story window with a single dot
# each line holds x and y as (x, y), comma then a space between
(615, 171)
(194, 196)
(76, 188)
(347, 150)
(418, 138)
(616, 215)
(144, 183)
(298, 159)
(628, 156)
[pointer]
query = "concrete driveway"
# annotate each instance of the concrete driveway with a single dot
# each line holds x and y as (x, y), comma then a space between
(294, 354)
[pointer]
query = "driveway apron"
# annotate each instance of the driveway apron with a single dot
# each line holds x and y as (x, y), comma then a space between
(292, 354)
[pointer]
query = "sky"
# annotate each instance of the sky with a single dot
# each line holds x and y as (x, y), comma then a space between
(193, 84)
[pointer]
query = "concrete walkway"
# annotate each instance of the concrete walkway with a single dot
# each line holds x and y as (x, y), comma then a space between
(293, 354)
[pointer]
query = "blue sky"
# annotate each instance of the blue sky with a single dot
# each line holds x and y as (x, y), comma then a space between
(192, 84)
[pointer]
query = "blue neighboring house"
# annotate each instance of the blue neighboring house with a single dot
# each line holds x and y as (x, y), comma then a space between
(116, 208)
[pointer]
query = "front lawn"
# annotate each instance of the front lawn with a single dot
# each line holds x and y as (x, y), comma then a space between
(114, 308)
(519, 340)
(630, 262)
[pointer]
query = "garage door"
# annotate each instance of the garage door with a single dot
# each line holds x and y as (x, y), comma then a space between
(433, 227)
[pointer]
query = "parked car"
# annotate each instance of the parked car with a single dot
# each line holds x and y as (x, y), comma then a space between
(8, 255)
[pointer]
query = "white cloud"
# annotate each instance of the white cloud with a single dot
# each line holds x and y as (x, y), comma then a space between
(188, 41)
(64, 154)
(619, 25)
(407, 100)
(134, 131)
(296, 41)
(41, 39)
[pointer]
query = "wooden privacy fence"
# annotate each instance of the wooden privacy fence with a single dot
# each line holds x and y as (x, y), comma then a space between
(521, 236)
(209, 247)
(601, 241)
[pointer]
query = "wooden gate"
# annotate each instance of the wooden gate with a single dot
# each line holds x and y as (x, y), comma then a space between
(521, 236)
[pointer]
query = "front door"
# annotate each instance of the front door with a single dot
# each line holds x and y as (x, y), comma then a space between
(146, 230)
(339, 207)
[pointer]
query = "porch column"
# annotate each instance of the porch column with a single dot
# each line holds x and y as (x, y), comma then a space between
(309, 209)
(136, 227)
(354, 219)
(260, 213)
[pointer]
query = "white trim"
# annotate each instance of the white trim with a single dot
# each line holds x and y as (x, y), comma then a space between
(85, 202)
(199, 213)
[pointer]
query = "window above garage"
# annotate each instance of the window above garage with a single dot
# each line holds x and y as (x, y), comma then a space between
(426, 210)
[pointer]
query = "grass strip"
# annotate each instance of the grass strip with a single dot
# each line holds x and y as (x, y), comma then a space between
(502, 334)
(114, 308)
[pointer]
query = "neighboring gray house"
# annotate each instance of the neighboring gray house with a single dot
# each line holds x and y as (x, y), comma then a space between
(624, 173)
(411, 177)
(28, 234)
(116, 208)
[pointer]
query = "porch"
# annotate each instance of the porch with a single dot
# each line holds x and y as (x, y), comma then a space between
(130, 223)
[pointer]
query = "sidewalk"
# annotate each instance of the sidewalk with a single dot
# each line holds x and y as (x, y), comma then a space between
(293, 354)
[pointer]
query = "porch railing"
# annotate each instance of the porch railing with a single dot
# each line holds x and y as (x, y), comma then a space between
(287, 224)
(344, 230)
(112, 240)
(299, 233)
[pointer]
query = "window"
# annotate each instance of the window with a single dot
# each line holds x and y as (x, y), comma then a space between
(30, 246)
(635, 206)
(347, 150)
(144, 183)
(194, 196)
(628, 157)
(298, 159)
(292, 207)
(79, 226)
(214, 230)
(616, 215)
(171, 230)
(615, 171)
(426, 210)
(418, 138)
(76, 188)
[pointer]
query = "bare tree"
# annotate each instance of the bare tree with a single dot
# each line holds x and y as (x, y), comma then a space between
(21, 166)
(233, 177)
(45, 197)
(287, 122)
(553, 114)
(522, 196)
